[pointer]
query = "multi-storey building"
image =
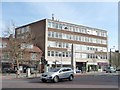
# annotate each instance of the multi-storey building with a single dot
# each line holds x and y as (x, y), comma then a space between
(55, 38)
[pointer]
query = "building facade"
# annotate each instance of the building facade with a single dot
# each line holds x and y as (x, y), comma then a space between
(55, 38)
(29, 56)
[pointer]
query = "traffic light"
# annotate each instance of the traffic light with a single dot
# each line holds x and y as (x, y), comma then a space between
(44, 61)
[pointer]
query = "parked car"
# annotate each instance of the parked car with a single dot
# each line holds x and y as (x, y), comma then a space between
(118, 69)
(110, 70)
(8, 70)
(56, 74)
(78, 71)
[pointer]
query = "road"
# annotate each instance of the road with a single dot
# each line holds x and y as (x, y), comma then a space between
(95, 80)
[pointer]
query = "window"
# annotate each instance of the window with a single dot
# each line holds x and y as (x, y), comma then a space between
(88, 55)
(60, 26)
(60, 44)
(51, 44)
(33, 56)
(83, 38)
(56, 35)
(83, 55)
(6, 55)
(56, 53)
(104, 41)
(56, 25)
(67, 45)
(64, 45)
(60, 54)
(29, 46)
(4, 44)
(52, 34)
(49, 24)
(67, 54)
(63, 54)
(49, 34)
(48, 53)
(60, 35)
(76, 38)
(71, 28)
(52, 53)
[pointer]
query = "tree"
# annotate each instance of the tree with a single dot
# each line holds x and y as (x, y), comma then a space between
(17, 45)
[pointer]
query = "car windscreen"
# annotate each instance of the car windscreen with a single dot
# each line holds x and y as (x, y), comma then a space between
(54, 70)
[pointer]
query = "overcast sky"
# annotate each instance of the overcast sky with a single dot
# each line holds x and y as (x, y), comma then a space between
(102, 15)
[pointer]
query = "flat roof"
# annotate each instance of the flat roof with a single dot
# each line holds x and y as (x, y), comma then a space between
(59, 22)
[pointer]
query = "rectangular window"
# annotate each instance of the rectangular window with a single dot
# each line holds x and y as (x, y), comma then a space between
(49, 34)
(56, 35)
(60, 35)
(4, 44)
(66, 54)
(60, 54)
(63, 54)
(52, 53)
(48, 53)
(60, 44)
(67, 45)
(52, 34)
(56, 53)
(83, 55)
(49, 24)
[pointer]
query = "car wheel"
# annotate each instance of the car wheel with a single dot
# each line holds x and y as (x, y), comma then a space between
(71, 78)
(55, 79)
(43, 80)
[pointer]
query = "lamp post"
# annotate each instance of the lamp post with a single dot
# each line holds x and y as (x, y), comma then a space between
(110, 55)
(60, 54)
(117, 58)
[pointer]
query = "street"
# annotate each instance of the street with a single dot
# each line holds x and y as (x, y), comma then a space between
(90, 80)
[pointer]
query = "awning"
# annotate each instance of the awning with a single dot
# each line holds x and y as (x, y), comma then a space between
(103, 63)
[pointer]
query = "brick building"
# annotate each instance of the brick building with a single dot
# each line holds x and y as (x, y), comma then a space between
(55, 38)
(29, 57)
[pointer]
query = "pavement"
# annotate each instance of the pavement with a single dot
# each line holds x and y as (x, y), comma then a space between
(23, 75)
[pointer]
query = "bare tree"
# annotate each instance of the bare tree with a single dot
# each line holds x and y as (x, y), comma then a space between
(17, 46)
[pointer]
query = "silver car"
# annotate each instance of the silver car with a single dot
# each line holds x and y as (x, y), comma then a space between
(110, 70)
(56, 74)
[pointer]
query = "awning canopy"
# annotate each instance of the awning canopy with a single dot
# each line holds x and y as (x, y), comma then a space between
(103, 63)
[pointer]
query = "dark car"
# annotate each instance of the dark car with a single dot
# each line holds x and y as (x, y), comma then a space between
(8, 70)
(118, 69)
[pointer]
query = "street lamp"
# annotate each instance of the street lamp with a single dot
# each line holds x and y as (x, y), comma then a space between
(61, 58)
(110, 55)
